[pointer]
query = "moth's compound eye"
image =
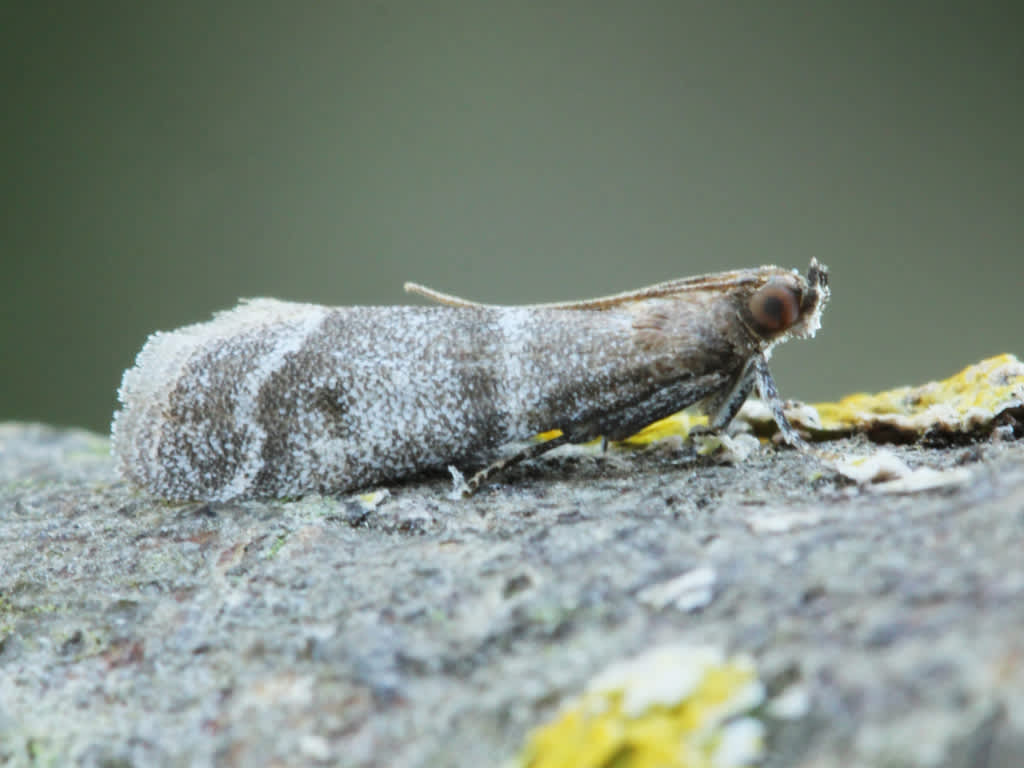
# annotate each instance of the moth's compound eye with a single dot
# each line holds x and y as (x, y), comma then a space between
(775, 307)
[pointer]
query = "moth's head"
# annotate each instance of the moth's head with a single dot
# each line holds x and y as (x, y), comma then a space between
(787, 305)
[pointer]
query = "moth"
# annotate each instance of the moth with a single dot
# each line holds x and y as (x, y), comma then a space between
(279, 399)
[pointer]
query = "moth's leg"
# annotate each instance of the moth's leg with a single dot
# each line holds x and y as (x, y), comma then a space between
(770, 394)
(611, 426)
(724, 406)
(659, 405)
(493, 470)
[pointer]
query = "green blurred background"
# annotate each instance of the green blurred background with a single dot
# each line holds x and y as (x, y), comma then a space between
(160, 160)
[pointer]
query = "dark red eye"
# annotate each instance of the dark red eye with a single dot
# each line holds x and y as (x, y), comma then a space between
(775, 307)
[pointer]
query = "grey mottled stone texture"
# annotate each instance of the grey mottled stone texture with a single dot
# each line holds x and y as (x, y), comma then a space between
(433, 632)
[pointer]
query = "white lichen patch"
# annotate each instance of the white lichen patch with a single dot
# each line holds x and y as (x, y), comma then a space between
(727, 449)
(774, 521)
(370, 501)
(885, 472)
(688, 592)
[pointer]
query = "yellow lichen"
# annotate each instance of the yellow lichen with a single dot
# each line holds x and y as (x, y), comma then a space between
(967, 402)
(677, 424)
(963, 403)
(673, 707)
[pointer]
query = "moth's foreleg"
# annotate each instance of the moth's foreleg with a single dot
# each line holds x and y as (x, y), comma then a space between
(724, 406)
(770, 394)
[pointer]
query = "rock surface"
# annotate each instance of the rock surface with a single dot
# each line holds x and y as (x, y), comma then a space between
(410, 629)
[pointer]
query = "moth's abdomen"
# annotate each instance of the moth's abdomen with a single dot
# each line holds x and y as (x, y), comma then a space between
(280, 399)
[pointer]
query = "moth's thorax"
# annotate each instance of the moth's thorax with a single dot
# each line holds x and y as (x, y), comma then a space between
(675, 336)
(712, 327)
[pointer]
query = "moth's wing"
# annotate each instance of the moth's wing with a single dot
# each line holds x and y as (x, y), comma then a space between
(716, 281)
